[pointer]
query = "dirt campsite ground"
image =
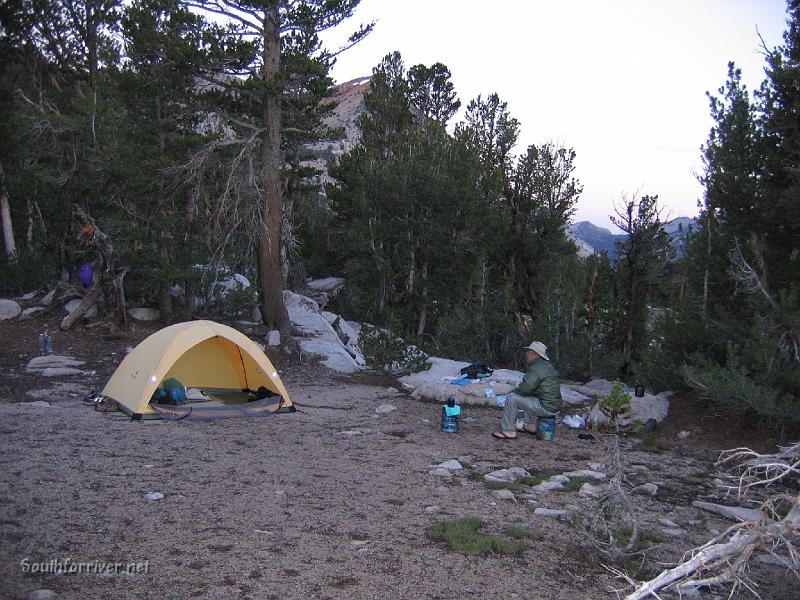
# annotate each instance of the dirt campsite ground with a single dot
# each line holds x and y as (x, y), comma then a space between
(289, 506)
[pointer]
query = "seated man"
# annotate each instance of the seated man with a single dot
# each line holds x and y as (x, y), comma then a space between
(539, 394)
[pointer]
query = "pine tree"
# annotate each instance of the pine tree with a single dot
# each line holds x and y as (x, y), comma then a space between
(248, 81)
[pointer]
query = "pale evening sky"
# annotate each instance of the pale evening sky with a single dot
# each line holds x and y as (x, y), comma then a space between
(622, 82)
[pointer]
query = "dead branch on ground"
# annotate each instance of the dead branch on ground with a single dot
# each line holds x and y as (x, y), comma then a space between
(725, 560)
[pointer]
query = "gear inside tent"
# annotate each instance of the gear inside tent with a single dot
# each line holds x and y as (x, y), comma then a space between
(231, 371)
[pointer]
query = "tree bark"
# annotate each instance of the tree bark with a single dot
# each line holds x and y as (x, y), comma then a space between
(112, 272)
(5, 217)
(273, 310)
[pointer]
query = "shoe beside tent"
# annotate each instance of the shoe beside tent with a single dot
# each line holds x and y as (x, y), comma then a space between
(200, 354)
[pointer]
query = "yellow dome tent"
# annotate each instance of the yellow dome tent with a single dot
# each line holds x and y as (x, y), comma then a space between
(200, 354)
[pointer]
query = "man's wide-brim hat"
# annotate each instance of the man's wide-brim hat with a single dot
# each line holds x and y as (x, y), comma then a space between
(539, 348)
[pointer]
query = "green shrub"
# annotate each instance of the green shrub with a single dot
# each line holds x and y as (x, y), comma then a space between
(27, 272)
(736, 389)
(615, 404)
(520, 533)
(390, 351)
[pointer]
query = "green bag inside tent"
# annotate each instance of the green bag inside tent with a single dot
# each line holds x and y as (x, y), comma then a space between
(171, 391)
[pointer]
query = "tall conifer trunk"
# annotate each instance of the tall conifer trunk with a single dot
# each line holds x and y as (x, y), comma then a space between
(273, 310)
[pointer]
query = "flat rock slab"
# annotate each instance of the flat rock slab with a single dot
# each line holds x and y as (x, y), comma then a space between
(507, 475)
(646, 489)
(385, 408)
(591, 491)
(63, 372)
(736, 513)
(548, 486)
(435, 384)
(587, 473)
(9, 309)
(504, 495)
(675, 532)
(551, 512)
(51, 361)
(441, 472)
(450, 465)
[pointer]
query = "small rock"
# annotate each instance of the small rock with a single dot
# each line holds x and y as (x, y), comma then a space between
(433, 509)
(440, 472)
(504, 495)
(28, 296)
(591, 491)
(358, 543)
(385, 408)
(47, 300)
(34, 310)
(9, 309)
(274, 338)
(42, 595)
(144, 314)
(507, 475)
(350, 433)
(154, 496)
(646, 489)
(450, 465)
(37, 404)
(551, 512)
(668, 522)
(587, 473)
(641, 468)
(548, 486)
(392, 390)
(73, 304)
(675, 532)
(594, 466)
(682, 435)
(736, 513)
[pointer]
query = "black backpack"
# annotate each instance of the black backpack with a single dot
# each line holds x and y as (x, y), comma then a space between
(476, 370)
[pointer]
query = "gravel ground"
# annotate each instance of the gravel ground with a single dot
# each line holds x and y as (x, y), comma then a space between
(288, 506)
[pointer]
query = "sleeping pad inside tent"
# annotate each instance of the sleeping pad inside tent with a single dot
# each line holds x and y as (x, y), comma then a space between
(234, 374)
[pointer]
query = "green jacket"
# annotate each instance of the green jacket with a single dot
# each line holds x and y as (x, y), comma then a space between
(541, 380)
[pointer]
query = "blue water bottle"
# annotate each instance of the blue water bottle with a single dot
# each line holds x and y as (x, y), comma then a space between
(451, 413)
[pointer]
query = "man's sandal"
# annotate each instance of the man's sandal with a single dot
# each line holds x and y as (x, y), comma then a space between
(501, 435)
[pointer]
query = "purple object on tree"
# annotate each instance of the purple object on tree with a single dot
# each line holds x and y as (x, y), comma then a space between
(85, 274)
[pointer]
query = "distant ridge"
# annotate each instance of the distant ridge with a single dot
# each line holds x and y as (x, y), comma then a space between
(599, 239)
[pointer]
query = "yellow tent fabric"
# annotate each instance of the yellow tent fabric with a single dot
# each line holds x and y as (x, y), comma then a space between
(200, 354)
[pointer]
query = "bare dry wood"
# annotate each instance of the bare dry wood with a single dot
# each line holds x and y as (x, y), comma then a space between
(112, 272)
(725, 559)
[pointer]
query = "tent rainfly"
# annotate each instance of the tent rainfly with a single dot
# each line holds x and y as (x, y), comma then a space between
(200, 354)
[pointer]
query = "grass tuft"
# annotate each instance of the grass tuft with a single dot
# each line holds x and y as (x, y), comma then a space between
(503, 485)
(520, 533)
(654, 442)
(575, 483)
(462, 536)
(540, 476)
